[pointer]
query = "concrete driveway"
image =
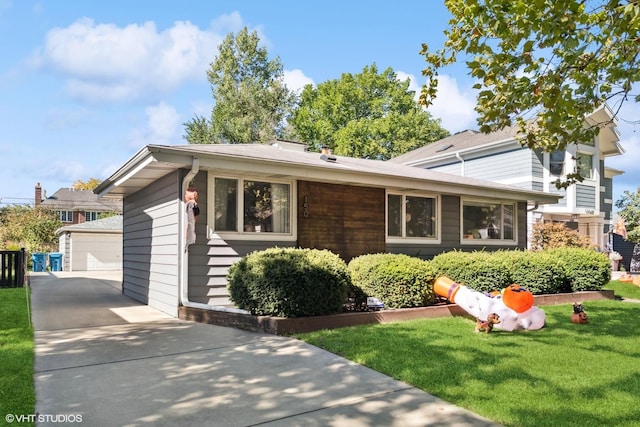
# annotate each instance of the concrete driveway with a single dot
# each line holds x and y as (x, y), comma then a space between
(103, 359)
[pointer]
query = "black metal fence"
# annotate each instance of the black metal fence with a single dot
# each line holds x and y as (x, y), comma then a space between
(13, 268)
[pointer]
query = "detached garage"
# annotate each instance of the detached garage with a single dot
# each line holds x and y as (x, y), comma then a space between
(93, 245)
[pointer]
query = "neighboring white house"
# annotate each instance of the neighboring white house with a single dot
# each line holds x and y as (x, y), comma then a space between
(499, 157)
(93, 245)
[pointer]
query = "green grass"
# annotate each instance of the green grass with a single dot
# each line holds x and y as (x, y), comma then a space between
(562, 375)
(624, 289)
(17, 394)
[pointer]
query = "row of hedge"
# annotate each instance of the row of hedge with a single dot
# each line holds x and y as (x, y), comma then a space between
(290, 282)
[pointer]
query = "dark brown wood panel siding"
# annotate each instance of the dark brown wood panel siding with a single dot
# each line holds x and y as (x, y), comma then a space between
(347, 220)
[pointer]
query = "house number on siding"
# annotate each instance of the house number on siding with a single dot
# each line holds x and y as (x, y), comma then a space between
(305, 207)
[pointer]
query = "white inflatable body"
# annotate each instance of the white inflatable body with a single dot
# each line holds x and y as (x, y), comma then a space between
(480, 305)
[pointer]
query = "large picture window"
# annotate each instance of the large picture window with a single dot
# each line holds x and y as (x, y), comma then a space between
(251, 206)
(411, 216)
(488, 221)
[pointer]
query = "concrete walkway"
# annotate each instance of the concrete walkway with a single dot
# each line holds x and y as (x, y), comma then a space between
(106, 360)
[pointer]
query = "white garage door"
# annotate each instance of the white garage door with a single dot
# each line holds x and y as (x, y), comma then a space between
(96, 251)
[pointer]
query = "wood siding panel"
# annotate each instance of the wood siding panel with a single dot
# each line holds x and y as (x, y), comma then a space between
(347, 220)
(150, 244)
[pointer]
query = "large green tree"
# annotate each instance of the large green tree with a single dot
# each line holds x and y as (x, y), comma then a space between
(629, 209)
(30, 228)
(251, 99)
(368, 115)
(543, 64)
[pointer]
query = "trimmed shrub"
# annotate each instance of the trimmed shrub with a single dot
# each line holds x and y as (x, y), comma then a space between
(542, 272)
(539, 272)
(289, 282)
(585, 269)
(398, 280)
(479, 270)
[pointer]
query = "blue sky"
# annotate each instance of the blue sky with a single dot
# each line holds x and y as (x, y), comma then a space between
(85, 84)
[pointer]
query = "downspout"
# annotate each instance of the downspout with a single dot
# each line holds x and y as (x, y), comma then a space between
(459, 157)
(183, 253)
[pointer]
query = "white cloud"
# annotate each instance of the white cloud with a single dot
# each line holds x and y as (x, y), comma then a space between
(163, 126)
(453, 106)
(296, 80)
(107, 62)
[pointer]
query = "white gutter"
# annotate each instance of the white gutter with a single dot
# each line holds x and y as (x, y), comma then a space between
(183, 253)
(459, 157)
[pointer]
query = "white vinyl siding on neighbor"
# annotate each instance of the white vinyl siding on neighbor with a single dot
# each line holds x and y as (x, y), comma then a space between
(151, 245)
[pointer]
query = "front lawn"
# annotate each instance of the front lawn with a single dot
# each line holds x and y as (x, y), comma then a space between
(17, 396)
(562, 375)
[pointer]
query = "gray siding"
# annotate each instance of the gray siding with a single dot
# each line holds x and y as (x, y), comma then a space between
(585, 196)
(501, 167)
(452, 168)
(210, 259)
(563, 192)
(150, 244)
(518, 163)
(607, 194)
(537, 165)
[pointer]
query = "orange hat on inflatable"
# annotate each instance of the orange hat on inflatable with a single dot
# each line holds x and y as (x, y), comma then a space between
(517, 298)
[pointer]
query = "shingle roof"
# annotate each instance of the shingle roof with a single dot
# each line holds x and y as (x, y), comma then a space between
(80, 200)
(155, 161)
(109, 224)
(457, 142)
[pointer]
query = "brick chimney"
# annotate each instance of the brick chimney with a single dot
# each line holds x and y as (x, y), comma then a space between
(38, 198)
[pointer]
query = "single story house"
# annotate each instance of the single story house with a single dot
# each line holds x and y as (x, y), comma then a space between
(255, 196)
(91, 246)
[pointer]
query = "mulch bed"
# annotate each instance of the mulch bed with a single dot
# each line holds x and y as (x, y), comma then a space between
(288, 326)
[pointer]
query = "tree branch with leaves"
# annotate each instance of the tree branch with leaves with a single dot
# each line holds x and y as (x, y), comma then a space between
(544, 65)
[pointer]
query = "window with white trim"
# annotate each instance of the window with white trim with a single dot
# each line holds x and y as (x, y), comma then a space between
(251, 206)
(584, 165)
(65, 216)
(411, 216)
(91, 216)
(556, 162)
(488, 221)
